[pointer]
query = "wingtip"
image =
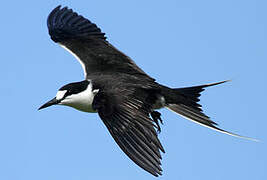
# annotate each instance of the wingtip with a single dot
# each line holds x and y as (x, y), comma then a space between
(63, 24)
(58, 7)
(51, 14)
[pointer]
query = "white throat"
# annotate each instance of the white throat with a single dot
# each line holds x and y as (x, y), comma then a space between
(81, 101)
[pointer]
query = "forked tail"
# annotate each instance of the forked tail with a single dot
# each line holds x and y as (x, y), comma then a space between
(186, 104)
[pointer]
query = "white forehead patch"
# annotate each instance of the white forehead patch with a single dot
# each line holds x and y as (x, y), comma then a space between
(60, 94)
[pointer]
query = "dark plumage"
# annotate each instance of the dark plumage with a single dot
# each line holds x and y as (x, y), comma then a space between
(87, 41)
(123, 95)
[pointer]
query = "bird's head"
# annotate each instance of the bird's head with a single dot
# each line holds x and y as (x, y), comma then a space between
(78, 95)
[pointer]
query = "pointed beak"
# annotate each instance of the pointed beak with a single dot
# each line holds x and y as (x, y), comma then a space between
(49, 103)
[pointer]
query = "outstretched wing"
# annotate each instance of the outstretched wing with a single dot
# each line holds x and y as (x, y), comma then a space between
(129, 124)
(88, 44)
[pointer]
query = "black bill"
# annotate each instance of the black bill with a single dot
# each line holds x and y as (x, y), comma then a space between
(49, 103)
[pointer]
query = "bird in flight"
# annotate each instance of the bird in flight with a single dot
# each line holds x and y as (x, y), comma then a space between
(123, 95)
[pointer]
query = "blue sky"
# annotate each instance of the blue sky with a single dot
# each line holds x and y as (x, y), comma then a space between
(180, 43)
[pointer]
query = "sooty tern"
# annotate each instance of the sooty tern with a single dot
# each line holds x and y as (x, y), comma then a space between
(123, 95)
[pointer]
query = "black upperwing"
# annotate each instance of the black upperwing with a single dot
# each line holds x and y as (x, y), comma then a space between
(86, 41)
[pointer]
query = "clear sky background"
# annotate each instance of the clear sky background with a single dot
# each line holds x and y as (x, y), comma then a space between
(180, 43)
